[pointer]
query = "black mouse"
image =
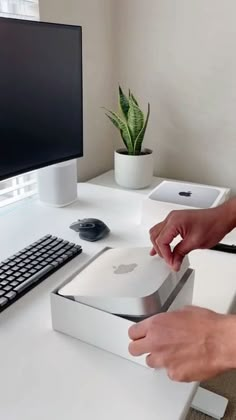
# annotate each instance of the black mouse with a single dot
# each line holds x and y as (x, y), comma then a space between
(90, 229)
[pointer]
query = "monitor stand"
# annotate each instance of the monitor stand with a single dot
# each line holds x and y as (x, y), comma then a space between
(57, 184)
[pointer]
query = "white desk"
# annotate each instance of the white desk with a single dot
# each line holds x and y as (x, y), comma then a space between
(47, 375)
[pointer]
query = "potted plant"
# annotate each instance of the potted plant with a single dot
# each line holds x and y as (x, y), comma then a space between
(133, 163)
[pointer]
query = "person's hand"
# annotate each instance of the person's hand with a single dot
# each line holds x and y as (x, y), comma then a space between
(197, 228)
(192, 344)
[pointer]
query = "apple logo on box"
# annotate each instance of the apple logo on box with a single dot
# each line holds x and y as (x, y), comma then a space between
(185, 193)
(125, 268)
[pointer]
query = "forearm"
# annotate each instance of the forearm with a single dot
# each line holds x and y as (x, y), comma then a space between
(228, 213)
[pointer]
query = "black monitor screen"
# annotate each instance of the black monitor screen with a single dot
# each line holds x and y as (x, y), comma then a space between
(41, 115)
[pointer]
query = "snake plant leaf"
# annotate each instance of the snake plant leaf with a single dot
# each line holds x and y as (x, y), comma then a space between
(113, 121)
(134, 99)
(139, 140)
(124, 129)
(124, 103)
(135, 119)
(117, 126)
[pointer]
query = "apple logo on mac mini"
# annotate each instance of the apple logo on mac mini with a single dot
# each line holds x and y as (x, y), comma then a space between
(125, 268)
(185, 193)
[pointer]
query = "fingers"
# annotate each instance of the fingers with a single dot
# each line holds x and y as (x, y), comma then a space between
(138, 331)
(163, 241)
(161, 237)
(154, 233)
(139, 347)
(160, 248)
(143, 346)
(154, 361)
(153, 252)
(182, 249)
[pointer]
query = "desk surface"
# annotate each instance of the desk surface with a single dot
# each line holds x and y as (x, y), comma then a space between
(47, 375)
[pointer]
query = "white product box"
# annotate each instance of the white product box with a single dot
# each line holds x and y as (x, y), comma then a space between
(107, 330)
(176, 195)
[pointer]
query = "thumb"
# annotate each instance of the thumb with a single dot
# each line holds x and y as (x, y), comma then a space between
(180, 251)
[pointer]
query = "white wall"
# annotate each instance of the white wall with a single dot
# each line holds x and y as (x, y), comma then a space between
(177, 54)
(180, 56)
(96, 18)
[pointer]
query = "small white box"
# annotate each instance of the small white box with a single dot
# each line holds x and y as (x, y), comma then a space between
(176, 195)
(107, 330)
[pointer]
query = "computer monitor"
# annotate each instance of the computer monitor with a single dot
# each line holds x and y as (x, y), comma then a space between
(41, 101)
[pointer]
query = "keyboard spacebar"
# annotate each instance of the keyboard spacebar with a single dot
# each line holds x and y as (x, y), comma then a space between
(33, 279)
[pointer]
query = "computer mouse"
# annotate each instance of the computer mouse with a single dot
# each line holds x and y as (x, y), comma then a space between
(90, 229)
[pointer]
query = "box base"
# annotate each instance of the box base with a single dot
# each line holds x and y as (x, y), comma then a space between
(96, 327)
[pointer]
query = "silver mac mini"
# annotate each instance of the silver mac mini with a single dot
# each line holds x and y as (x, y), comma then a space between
(127, 282)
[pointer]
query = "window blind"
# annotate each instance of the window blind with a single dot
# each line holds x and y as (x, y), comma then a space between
(24, 9)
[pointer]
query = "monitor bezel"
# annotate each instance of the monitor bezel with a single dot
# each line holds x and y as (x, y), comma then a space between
(80, 154)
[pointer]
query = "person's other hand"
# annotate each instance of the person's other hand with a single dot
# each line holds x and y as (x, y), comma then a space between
(192, 344)
(197, 228)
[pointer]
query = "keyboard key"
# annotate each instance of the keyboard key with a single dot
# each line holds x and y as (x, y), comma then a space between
(49, 260)
(34, 263)
(59, 253)
(68, 247)
(44, 263)
(69, 253)
(14, 283)
(26, 275)
(10, 295)
(38, 267)
(11, 264)
(21, 264)
(59, 260)
(4, 283)
(3, 301)
(37, 254)
(16, 275)
(78, 247)
(45, 255)
(20, 279)
(64, 257)
(55, 264)
(51, 252)
(8, 272)
(33, 271)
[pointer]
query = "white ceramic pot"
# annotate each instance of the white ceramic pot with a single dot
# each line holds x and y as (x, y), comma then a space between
(134, 172)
